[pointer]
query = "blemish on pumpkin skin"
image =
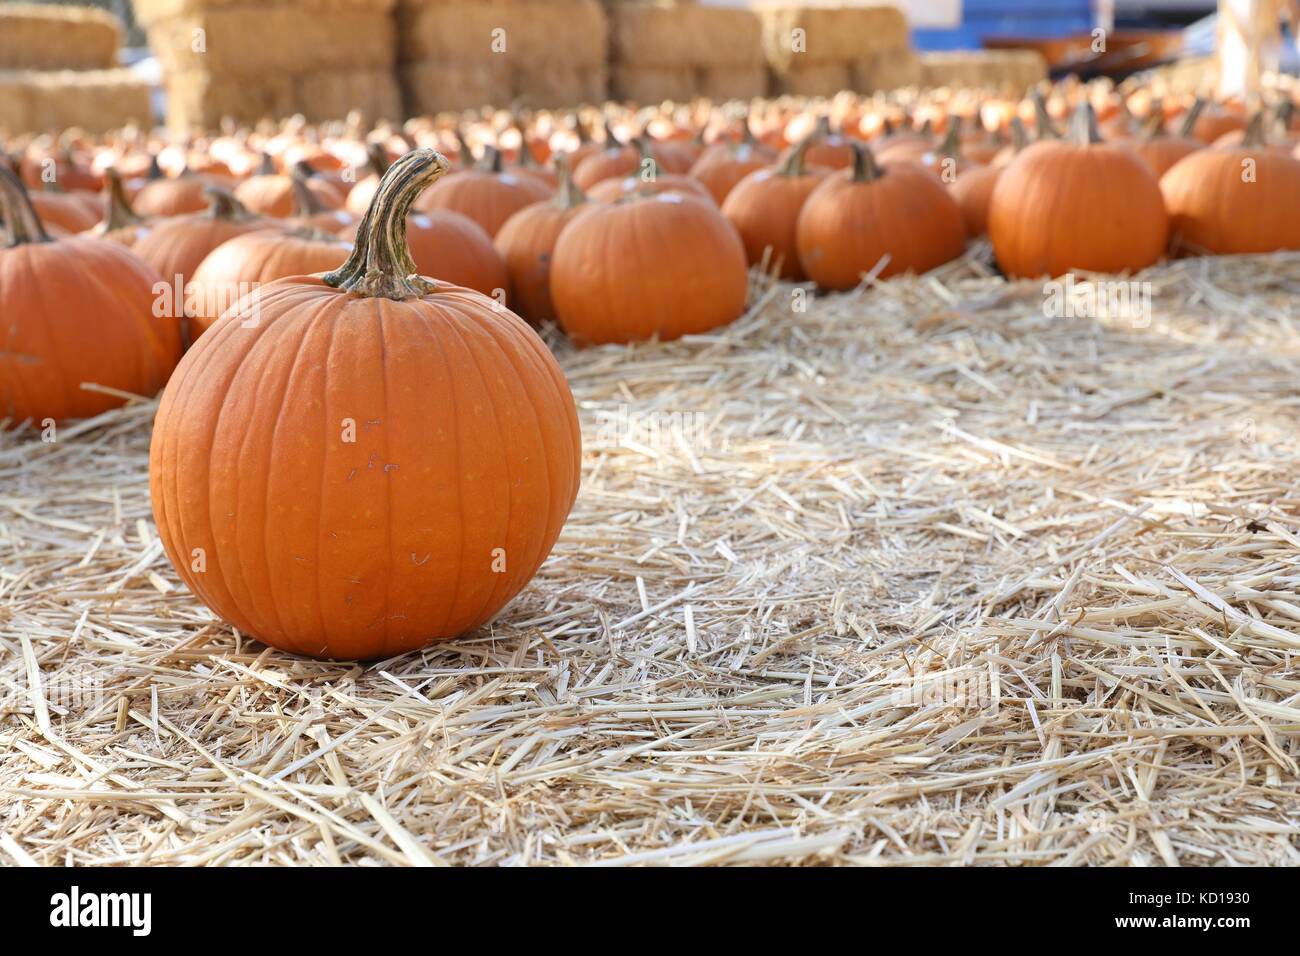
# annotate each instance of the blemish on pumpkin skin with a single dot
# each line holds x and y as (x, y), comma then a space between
(422, 561)
(390, 467)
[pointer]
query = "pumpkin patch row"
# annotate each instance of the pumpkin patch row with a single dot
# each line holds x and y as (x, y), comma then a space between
(366, 446)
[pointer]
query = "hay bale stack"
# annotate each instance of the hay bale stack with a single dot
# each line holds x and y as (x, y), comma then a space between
(40, 101)
(676, 51)
(463, 54)
(819, 49)
(253, 58)
(41, 37)
(992, 69)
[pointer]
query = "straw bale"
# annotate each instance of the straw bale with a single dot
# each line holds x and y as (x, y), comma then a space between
(53, 100)
(889, 69)
(559, 85)
(655, 36)
(49, 37)
(983, 68)
(733, 82)
(813, 79)
(248, 41)
(149, 12)
(917, 575)
(433, 86)
(653, 84)
(332, 95)
(534, 32)
(831, 33)
(198, 98)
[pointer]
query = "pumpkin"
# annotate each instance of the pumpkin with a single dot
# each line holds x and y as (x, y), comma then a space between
(618, 160)
(648, 180)
(826, 147)
(119, 224)
(75, 310)
(765, 205)
(172, 197)
(1158, 149)
(973, 190)
(310, 213)
(69, 211)
(1077, 203)
(487, 194)
(526, 244)
(378, 463)
(1217, 119)
(898, 218)
(720, 167)
(175, 247)
(666, 265)
(272, 194)
(1235, 199)
(253, 259)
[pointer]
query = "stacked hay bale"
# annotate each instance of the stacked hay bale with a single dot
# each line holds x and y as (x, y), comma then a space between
(677, 51)
(989, 69)
(248, 59)
(56, 71)
(463, 54)
(821, 48)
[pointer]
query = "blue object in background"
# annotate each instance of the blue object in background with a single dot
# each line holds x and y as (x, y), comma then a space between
(1031, 18)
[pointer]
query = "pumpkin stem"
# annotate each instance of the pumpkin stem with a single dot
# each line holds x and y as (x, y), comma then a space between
(1255, 134)
(20, 218)
(378, 158)
(950, 148)
(865, 169)
(222, 204)
(1083, 126)
(611, 139)
(823, 128)
(568, 194)
(155, 167)
(267, 167)
(305, 202)
(1282, 115)
(1155, 124)
(746, 131)
(1190, 117)
(381, 265)
(1046, 128)
(1019, 135)
(118, 213)
(463, 151)
(491, 161)
(794, 164)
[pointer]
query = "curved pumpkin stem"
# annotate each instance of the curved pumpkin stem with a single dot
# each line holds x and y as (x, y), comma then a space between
(305, 202)
(222, 204)
(568, 194)
(1083, 126)
(1046, 128)
(20, 217)
(1255, 135)
(794, 164)
(381, 265)
(377, 158)
(865, 168)
(118, 213)
(1190, 117)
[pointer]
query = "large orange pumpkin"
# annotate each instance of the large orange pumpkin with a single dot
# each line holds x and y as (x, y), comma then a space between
(488, 194)
(1077, 203)
(899, 215)
(765, 205)
(377, 463)
(527, 243)
(666, 265)
(1235, 199)
(74, 310)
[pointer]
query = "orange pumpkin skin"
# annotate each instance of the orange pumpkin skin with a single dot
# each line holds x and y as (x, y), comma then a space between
(527, 244)
(489, 198)
(176, 247)
(273, 194)
(76, 310)
(764, 207)
(172, 197)
(254, 259)
(720, 172)
(1213, 209)
(850, 223)
(694, 278)
(612, 190)
(354, 475)
(973, 190)
(1077, 204)
(68, 211)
